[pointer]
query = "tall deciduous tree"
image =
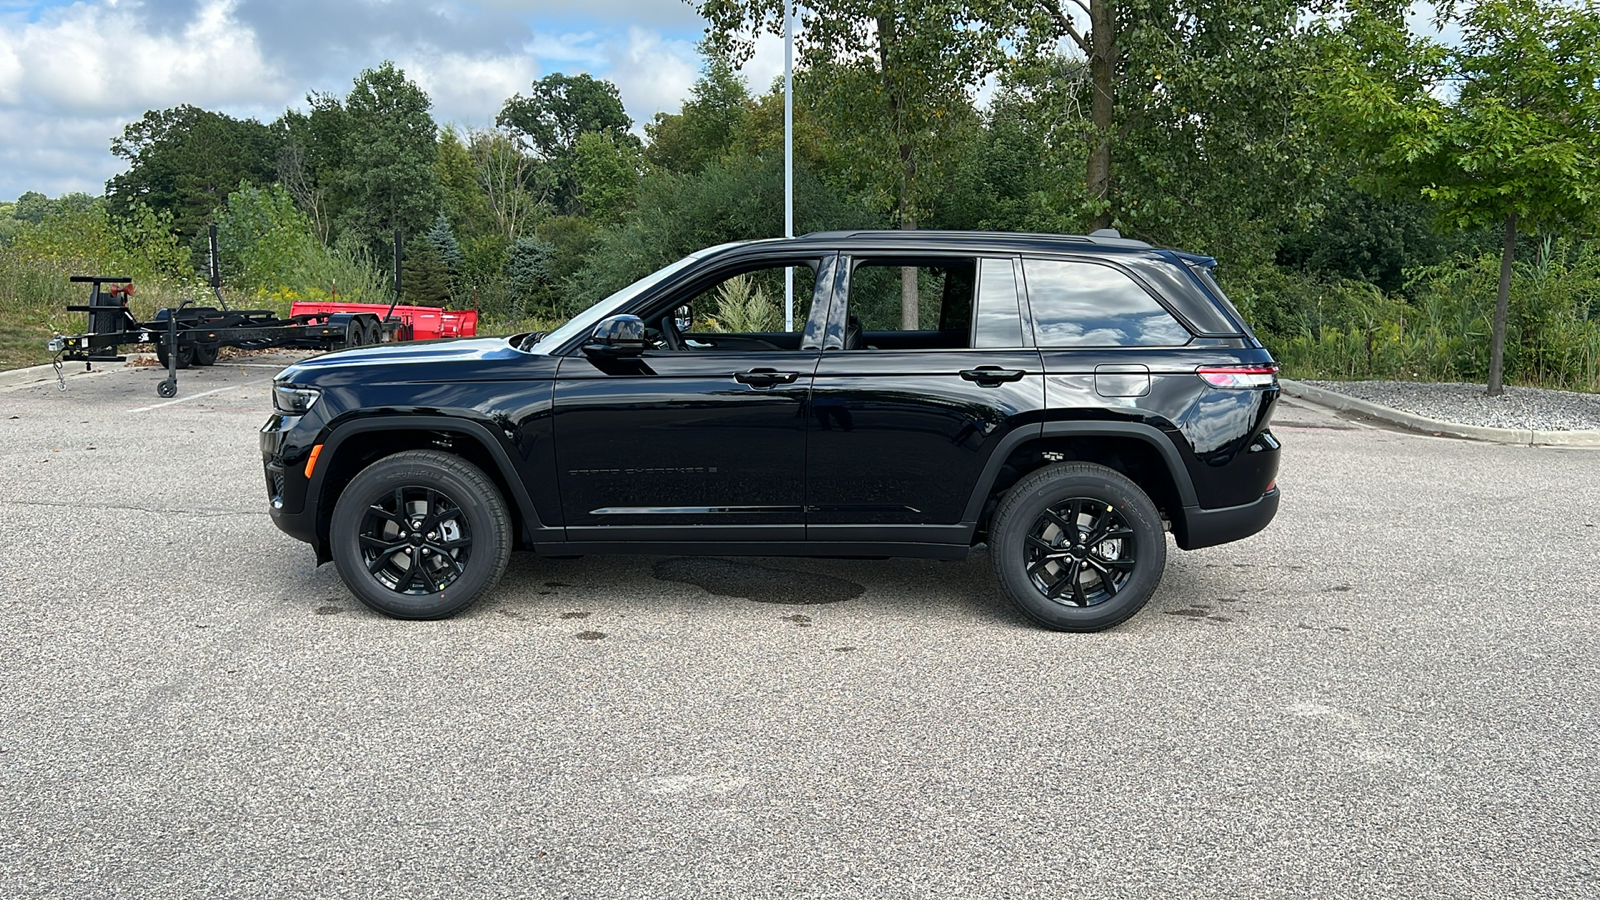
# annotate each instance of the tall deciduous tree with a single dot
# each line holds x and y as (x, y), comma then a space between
(185, 161)
(556, 113)
(889, 77)
(506, 180)
(311, 159)
(387, 175)
(716, 109)
(1518, 144)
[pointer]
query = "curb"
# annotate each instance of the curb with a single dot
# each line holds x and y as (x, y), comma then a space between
(1522, 436)
(12, 379)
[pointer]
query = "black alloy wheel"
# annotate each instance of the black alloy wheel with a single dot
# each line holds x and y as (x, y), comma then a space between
(415, 541)
(1077, 547)
(1081, 552)
(420, 534)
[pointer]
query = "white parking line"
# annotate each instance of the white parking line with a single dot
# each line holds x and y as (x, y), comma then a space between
(193, 397)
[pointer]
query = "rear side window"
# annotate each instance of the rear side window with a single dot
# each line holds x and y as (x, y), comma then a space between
(1084, 304)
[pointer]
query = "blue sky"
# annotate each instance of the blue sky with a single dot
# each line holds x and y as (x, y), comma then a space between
(72, 74)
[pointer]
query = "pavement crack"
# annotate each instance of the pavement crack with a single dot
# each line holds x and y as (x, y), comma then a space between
(122, 507)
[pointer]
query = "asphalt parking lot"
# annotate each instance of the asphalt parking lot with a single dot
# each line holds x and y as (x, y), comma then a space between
(1392, 692)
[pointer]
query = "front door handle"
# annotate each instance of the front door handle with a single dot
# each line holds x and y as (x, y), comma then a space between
(992, 376)
(765, 377)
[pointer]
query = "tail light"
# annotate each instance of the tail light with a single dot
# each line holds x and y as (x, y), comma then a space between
(1239, 376)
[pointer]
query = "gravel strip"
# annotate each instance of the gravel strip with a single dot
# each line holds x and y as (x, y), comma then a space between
(1467, 404)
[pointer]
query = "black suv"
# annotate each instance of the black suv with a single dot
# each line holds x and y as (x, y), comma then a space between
(1064, 400)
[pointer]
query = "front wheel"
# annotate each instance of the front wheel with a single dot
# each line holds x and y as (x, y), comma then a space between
(1077, 547)
(420, 535)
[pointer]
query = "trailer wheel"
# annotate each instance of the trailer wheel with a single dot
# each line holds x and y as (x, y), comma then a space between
(420, 535)
(355, 334)
(185, 354)
(205, 354)
(374, 332)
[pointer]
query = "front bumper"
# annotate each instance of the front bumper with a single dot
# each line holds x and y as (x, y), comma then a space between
(282, 461)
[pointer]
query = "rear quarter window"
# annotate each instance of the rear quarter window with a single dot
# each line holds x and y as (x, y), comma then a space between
(1085, 304)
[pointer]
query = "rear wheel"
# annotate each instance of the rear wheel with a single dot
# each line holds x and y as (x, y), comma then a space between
(185, 354)
(420, 535)
(373, 332)
(206, 354)
(1077, 547)
(355, 334)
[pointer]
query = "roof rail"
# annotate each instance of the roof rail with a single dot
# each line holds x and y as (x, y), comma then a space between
(1108, 237)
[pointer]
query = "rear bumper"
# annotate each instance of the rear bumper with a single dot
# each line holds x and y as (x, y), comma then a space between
(1210, 527)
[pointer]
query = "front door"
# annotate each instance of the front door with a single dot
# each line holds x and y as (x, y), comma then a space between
(701, 438)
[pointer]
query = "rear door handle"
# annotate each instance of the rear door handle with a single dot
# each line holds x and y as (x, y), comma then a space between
(992, 376)
(765, 377)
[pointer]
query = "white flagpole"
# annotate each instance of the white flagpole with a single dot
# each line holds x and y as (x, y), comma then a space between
(788, 155)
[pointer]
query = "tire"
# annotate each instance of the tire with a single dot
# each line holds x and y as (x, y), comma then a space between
(373, 332)
(206, 354)
(1101, 570)
(355, 334)
(185, 354)
(427, 574)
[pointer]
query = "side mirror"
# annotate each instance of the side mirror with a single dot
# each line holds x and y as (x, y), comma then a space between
(617, 336)
(683, 318)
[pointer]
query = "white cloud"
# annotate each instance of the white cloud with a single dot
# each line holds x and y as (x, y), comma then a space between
(91, 59)
(765, 64)
(652, 73)
(54, 154)
(469, 88)
(71, 76)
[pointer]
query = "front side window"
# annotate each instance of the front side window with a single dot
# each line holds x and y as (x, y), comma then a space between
(739, 311)
(1084, 304)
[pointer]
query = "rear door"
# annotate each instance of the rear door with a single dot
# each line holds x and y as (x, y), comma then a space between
(904, 420)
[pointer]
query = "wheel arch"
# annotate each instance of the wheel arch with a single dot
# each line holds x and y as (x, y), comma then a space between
(355, 445)
(1142, 452)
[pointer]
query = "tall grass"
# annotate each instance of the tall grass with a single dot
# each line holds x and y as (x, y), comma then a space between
(1442, 332)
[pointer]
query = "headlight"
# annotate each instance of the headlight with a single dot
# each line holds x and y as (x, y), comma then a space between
(293, 401)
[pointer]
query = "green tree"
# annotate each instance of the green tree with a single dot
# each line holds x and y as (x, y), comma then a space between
(711, 118)
(311, 159)
(606, 171)
(76, 235)
(556, 113)
(269, 251)
(506, 180)
(425, 277)
(1517, 146)
(185, 161)
(443, 239)
(892, 80)
(464, 203)
(387, 178)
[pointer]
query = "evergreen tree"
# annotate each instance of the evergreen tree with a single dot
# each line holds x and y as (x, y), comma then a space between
(443, 239)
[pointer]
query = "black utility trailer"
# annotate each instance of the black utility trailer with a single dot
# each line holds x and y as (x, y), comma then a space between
(192, 335)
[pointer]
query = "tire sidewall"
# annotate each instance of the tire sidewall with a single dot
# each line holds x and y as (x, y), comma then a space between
(1046, 489)
(486, 521)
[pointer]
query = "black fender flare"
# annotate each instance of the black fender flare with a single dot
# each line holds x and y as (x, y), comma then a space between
(495, 445)
(1149, 434)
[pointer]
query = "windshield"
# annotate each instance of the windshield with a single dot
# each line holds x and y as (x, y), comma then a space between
(584, 322)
